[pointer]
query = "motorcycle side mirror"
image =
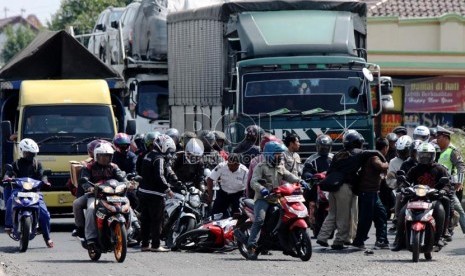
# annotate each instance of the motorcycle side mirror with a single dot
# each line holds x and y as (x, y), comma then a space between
(207, 172)
(444, 180)
(47, 173)
(400, 172)
(83, 180)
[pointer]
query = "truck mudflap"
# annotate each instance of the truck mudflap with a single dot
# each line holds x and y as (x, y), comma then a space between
(58, 198)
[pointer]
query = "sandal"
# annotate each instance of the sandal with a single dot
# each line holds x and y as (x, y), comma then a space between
(49, 243)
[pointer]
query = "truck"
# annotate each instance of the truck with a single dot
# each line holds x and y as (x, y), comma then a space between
(290, 67)
(61, 96)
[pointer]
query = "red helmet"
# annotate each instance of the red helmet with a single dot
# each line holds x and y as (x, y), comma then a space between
(122, 142)
(268, 138)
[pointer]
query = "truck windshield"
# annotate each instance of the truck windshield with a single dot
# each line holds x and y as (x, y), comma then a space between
(264, 92)
(152, 100)
(80, 121)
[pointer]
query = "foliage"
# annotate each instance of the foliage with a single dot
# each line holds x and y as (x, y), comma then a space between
(458, 140)
(81, 14)
(16, 41)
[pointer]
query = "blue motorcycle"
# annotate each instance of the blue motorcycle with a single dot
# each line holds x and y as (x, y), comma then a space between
(25, 213)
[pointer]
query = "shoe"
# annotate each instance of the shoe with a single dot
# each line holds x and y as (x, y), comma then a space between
(78, 232)
(347, 243)
(359, 245)
(322, 243)
(448, 237)
(382, 245)
(338, 247)
(132, 242)
(49, 243)
(8, 231)
(397, 247)
(145, 248)
(251, 253)
(393, 229)
(160, 249)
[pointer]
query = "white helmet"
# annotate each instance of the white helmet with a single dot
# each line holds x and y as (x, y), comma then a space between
(403, 142)
(194, 150)
(421, 133)
(165, 144)
(426, 153)
(28, 145)
(103, 149)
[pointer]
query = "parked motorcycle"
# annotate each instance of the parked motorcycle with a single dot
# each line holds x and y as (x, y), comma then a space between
(184, 212)
(318, 211)
(285, 227)
(111, 215)
(420, 225)
(213, 236)
(25, 208)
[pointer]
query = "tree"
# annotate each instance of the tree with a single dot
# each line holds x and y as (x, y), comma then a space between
(81, 14)
(16, 41)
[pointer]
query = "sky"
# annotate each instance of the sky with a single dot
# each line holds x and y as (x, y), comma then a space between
(43, 9)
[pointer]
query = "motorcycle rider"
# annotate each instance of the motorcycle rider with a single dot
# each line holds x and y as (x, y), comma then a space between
(267, 175)
(100, 170)
(152, 190)
(174, 134)
(428, 173)
(220, 141)
(400, 131)
(211, 157)
(291, 158)
(248, 148)
(392, 138)
(27, 166)
(412, 159)
(149, 137)
(421, 133)
(188, 165)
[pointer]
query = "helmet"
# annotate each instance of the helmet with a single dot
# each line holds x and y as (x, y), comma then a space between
(400, 130)
(391, 137)
(139, 140)
(174, 134)
(403, 147)
(164, 144)
(207, 136)
(219, 135)
(102, 151)
(28, 148)
(433, 132)
(414, 146)
(194, 150)
(352, 140)
(426, 153)
(92, 145)
(122, 142)
(270, 149)
(149, 138)
(186, 136)
(421, 132)
(323, 145)
(253, 132)
(268, 138)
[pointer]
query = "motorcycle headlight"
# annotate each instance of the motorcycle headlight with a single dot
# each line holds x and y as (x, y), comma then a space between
(420, 191)
(120, 188)
(194, 201)
(108, 190)
(27, 186)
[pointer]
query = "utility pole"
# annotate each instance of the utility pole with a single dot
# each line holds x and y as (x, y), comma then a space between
(22, 12)
(5, 9)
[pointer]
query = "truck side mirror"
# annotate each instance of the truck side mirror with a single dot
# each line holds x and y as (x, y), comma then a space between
(6, 129)
(229, 97)
(386, 85)
(100, 27)
(114, 24)
(131, 127)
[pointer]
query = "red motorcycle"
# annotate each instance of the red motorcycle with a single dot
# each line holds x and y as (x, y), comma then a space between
(213, 236)
(285, 227)
(319, 209)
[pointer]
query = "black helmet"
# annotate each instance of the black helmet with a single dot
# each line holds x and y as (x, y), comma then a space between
(352, 140)
(400, 130)
(323, 145)
(174, 134)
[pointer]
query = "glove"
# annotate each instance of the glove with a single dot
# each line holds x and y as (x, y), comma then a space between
(304, 185)
(264, 192)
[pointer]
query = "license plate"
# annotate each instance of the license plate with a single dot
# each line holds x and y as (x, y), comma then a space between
(418, 205)
(116, 199)
(295, 198)
(23, 194)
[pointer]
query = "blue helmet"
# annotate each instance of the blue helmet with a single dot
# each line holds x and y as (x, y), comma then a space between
(271, 148)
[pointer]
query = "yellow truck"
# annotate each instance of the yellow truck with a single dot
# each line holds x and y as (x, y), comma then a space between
(62, 111)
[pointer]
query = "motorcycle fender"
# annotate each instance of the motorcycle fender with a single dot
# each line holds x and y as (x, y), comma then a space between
(300, 223)
(188, 215)
(418, 226)
(116, 218)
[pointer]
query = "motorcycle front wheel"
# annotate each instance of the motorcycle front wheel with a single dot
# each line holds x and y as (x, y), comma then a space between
(186, 224)
(25, 231)
(120, 242)
(245, 230)
(196, 239)
(415, 237)
(303, 243)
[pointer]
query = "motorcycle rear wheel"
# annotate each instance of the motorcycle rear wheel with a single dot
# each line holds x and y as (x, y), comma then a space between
(304, 244)
(194, 239)
(25, 231)
(415, 246)
(121, 242)
(186, 224)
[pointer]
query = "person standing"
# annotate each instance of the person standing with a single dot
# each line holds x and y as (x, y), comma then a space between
(369, 204)
(231, 176)
(152, 191)
(452, 159)
(292, 160)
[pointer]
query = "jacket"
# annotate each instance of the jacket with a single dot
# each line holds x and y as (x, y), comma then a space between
(272, 176)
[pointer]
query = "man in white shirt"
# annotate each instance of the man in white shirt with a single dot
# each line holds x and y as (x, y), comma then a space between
(231, 176)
